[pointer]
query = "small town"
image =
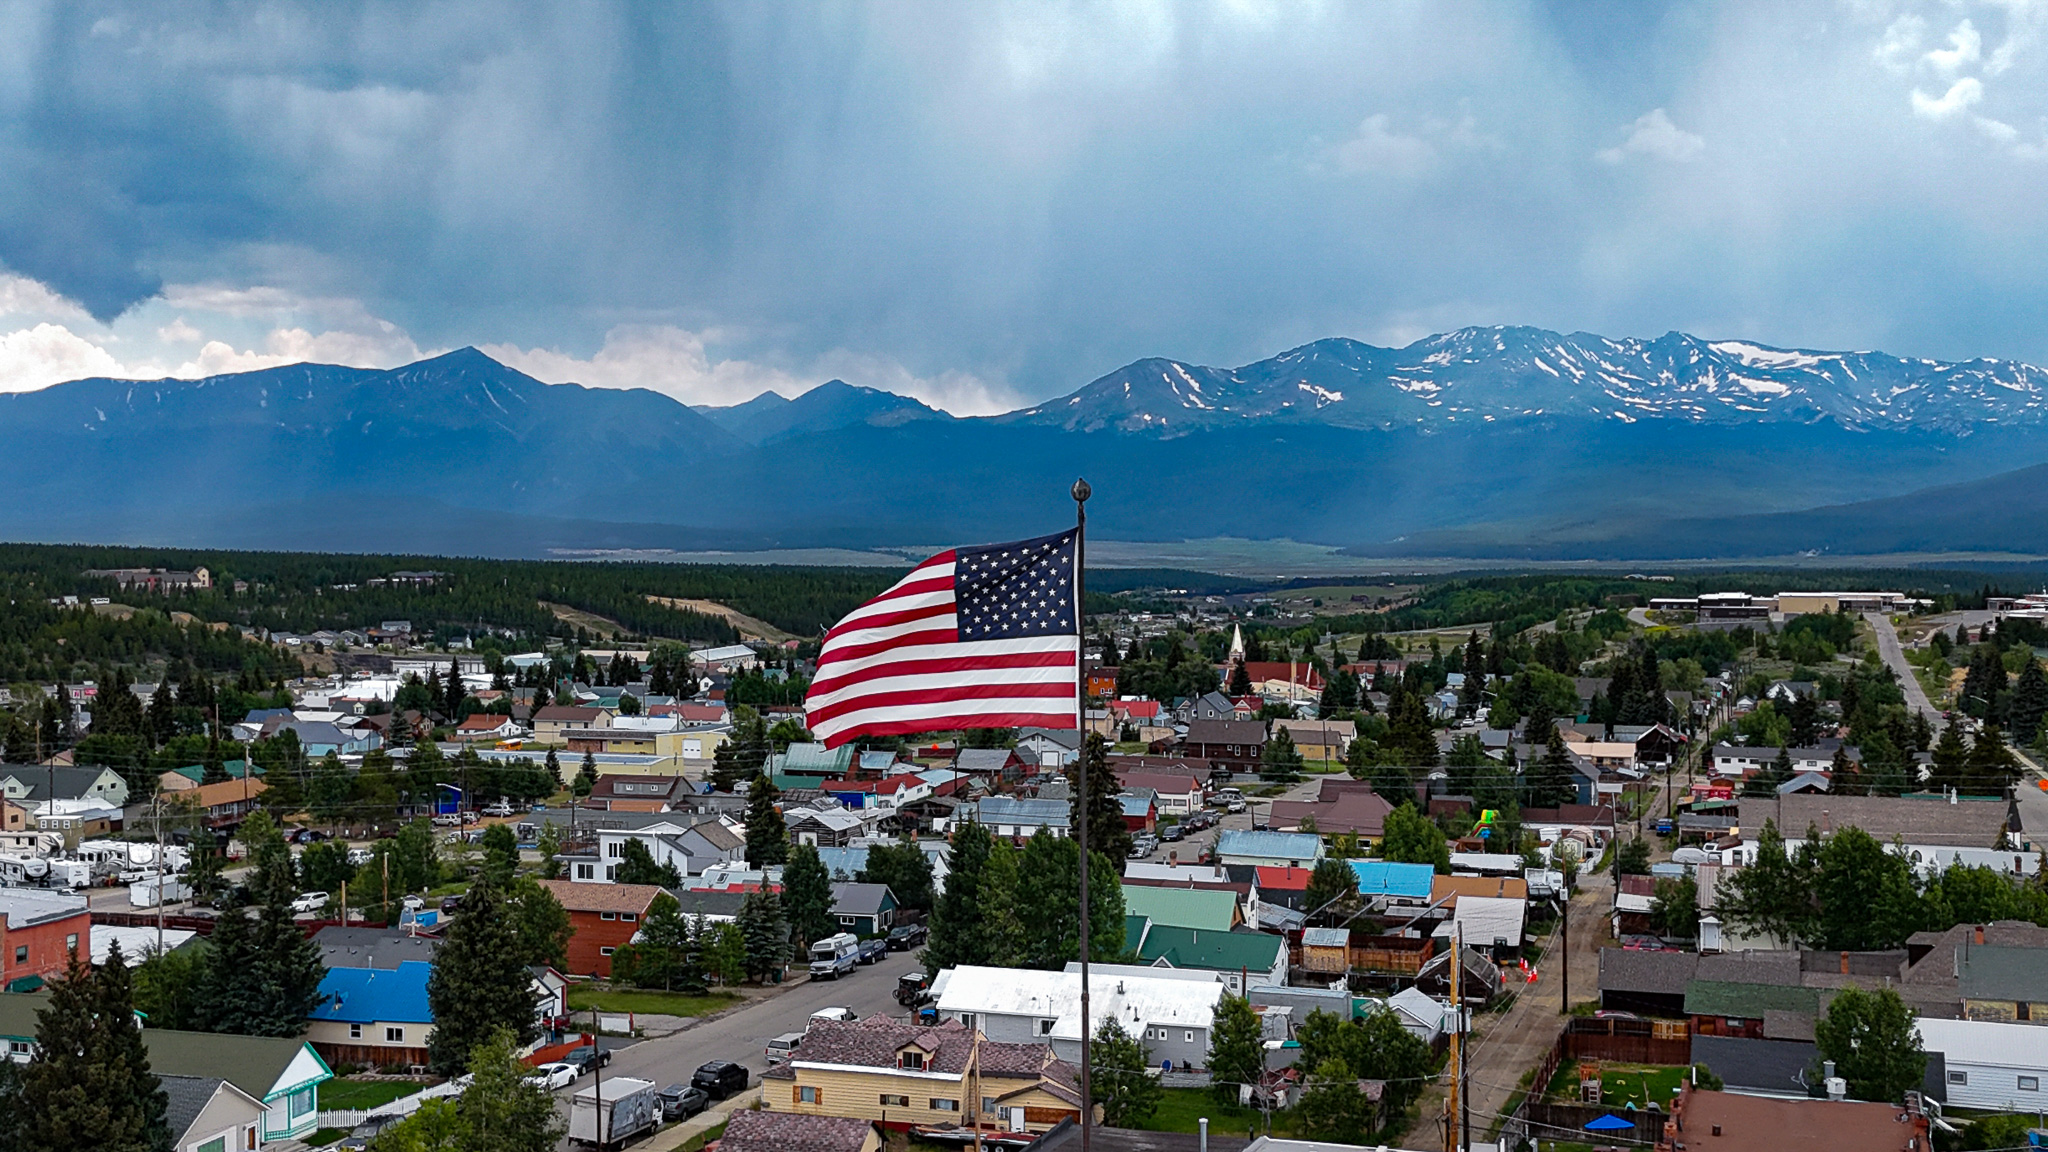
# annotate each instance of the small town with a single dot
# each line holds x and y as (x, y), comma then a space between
(1757, 862)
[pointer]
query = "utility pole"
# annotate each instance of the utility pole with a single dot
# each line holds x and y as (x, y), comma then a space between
(1452, 1106)
(156, 806)
(1081, 492)
(597, 1071)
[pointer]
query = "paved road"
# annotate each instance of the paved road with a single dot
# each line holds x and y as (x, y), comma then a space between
(1895, 657)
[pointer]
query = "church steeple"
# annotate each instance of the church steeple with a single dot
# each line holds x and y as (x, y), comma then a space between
(1236, 644)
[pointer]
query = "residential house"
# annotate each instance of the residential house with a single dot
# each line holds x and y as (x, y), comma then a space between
(1208, 706)
(1284, 680)
(209, 1114)
(1016, 819)
(376, 1016)
(813, 760)
(37, 783)
(602, 918)
(1589, 826)
(692, 846)
(38, 932)
(1177, 794)
(1342, 806)
(1493, 923)
(1287, 887)
(1141, 811)
(352, 947)
(281, 1075)
(1393, 883)
(1935, 959)
(993, 764)
(620, 792)
(1756, 1011)
(1319, 739)
(1261, 956)
(223, 804)
(829, 827)
(485, 726)
(763, 1131)
(897, 1075)
(1733, 1122)
(1987, 1064)
(1214, 910)
(727, 659)
(1050, 749)
(193, 775)
(551, 722)
(2009, 984)
(1172, 1017)
(864, 909)
(715, 905)
(1742, 760)
(1274, 849)
(1232, 745)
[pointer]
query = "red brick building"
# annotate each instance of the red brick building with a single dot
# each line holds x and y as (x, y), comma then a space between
(38, 930)
(602, 919)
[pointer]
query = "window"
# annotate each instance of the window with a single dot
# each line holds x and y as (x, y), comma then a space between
(629, 916)
(945, 1105)
(1958, 1077)
(217, 1144)
(1045, 1027)
(611, 872)
(2030, 1083)
(607, 915)
(394, 1035)
(355, 1031)
(846, 921)
(21, 954)
(889, 1101)
(606, 951)
(71, 943)
(913, 1060)
(1190, 1037)
(615, 850)
(807, 1095)
(967, 1020)
(586, 871)
(19, 1047)
(988, 1104)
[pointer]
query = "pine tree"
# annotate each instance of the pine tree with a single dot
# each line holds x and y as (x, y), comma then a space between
(767, 833)
(1844, 776)
(1237, 1047)
(905, 869)
(807, 895)
(1240, 684)
(1548, 782)
(479, 983)
(1048, 903)
(586, 776)
(89, 1085)
(1107, 832)
(287, 963)
(2029, 703)
(231, 997)
(766, 931)
(1280, 760)
(1951, 759)
(958, 927)
(1992, 768)
(554, 766)
(1122, 1084)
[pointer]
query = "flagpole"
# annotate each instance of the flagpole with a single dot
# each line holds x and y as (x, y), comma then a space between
(1081, 492)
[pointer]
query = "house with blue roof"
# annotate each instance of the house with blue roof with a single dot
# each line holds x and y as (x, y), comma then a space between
(1393, 882)
(1018, 820)
(1268, 849)
(373, 1016)
(1141, 813)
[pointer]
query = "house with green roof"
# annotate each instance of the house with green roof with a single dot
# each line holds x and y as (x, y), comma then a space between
(1214, 909)
(18, 1023)
(1240, 958)
(284, 1074)
(1752, 1011)
(193, 775)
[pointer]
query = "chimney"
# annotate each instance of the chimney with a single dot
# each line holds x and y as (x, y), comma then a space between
(1980, 933)
(1827, 822)
(1717, 1129)
(1838, 1088)
(1845, 963)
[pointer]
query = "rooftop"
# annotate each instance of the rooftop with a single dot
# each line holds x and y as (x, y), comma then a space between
(751, 1131)
(1749, 1123)
(370, 995)
(24, 907)
(1220, 951)
(1021, 992)
(1214, 909)
(576, 897)
(1276, 845)
(1989, 972)
(255, 1064)
(1386, 878)
(1912, 819)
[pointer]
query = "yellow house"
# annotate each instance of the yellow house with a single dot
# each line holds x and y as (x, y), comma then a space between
(903, 1076)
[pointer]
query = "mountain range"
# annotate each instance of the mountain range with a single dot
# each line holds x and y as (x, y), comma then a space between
(1484, 442)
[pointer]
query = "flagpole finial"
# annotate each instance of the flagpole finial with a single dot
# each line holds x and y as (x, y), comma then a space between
(1082, 491)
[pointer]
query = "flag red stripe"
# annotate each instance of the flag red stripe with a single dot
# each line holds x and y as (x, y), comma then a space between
(1060, 719)
(908, 639)
(935, 695)
(886, 619)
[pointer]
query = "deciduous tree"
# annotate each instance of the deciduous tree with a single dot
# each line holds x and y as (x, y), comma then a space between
(1871, 1038)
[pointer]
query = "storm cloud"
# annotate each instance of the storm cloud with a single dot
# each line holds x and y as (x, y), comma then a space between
(986, 204)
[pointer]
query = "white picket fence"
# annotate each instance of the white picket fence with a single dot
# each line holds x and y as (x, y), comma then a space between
(403, 1106)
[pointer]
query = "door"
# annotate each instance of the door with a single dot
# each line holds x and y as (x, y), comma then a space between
(1016, 1120)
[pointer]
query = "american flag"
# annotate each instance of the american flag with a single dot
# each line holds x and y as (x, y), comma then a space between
(985, 637)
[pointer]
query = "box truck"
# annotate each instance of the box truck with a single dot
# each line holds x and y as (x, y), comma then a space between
(631, 1106)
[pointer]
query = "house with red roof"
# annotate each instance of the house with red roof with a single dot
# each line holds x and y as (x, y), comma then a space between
(1286, 886)
(1178, 795)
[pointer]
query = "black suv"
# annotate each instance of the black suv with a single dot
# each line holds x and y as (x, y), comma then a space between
(720, 1079)
(585, 1058)
(904, 937)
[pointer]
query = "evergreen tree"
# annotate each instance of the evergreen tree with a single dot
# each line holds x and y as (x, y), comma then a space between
(1048, 903)
(89, 1085)
(554, 765)
(1951, 759)
(959, 930)
(451, 697)
(1409, 837)
(231, 997)
(287, 966)
(503, 1110)
(1887, 765)
(1237, 1047)
(902, 866)
(1003, 935)
(766, 932)
(1992, 767)
(1844, 776)
(1240, 683)
(767, 832)
(1632, 858)
(541, 925)
(1332, 884)
(1122, 1082)
(807, 895)
(479, 983)
(1773, 895)
(1280, 760)
(2029, 703)
(1549, 782)
(1411, 734)
(637, 866)
(1104, 812)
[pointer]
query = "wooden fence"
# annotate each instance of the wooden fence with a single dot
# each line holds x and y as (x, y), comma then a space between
(1667, 1042)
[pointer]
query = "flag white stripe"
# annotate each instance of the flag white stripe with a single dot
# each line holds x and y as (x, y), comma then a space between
(899, 604)
(945, 622)
(965, 650)
(1057, 674)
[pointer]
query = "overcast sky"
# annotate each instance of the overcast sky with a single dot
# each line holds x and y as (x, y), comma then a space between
(985, 204)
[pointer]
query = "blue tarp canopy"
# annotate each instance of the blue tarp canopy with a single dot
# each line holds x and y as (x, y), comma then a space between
(1609, 1123)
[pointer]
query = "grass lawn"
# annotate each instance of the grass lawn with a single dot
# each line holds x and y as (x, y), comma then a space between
(1622, 1084)
(337, 1095)
(694, 1143)
(1181, 1108)
(584, 997)
(322, 1137)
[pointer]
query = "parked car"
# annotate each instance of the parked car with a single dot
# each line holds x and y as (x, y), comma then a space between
(447, 820)
(360, 856)
(682, 1101)
(310, 902)
(1235, 805)
(782, 1049)
(555, 1075)
(904, 937)
(498, 808)
(913, 988)
(872, 950)
(451, 903)
(359, 1137)
(413, 902)
(1171, 833)
(585, 1058)
(838, 1012)
(720, 1079)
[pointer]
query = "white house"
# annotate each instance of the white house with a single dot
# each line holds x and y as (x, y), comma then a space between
(1931, 832)
(1171, 1014)
(1991, 1064)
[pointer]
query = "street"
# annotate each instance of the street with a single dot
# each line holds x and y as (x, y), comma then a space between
(1895, 658)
